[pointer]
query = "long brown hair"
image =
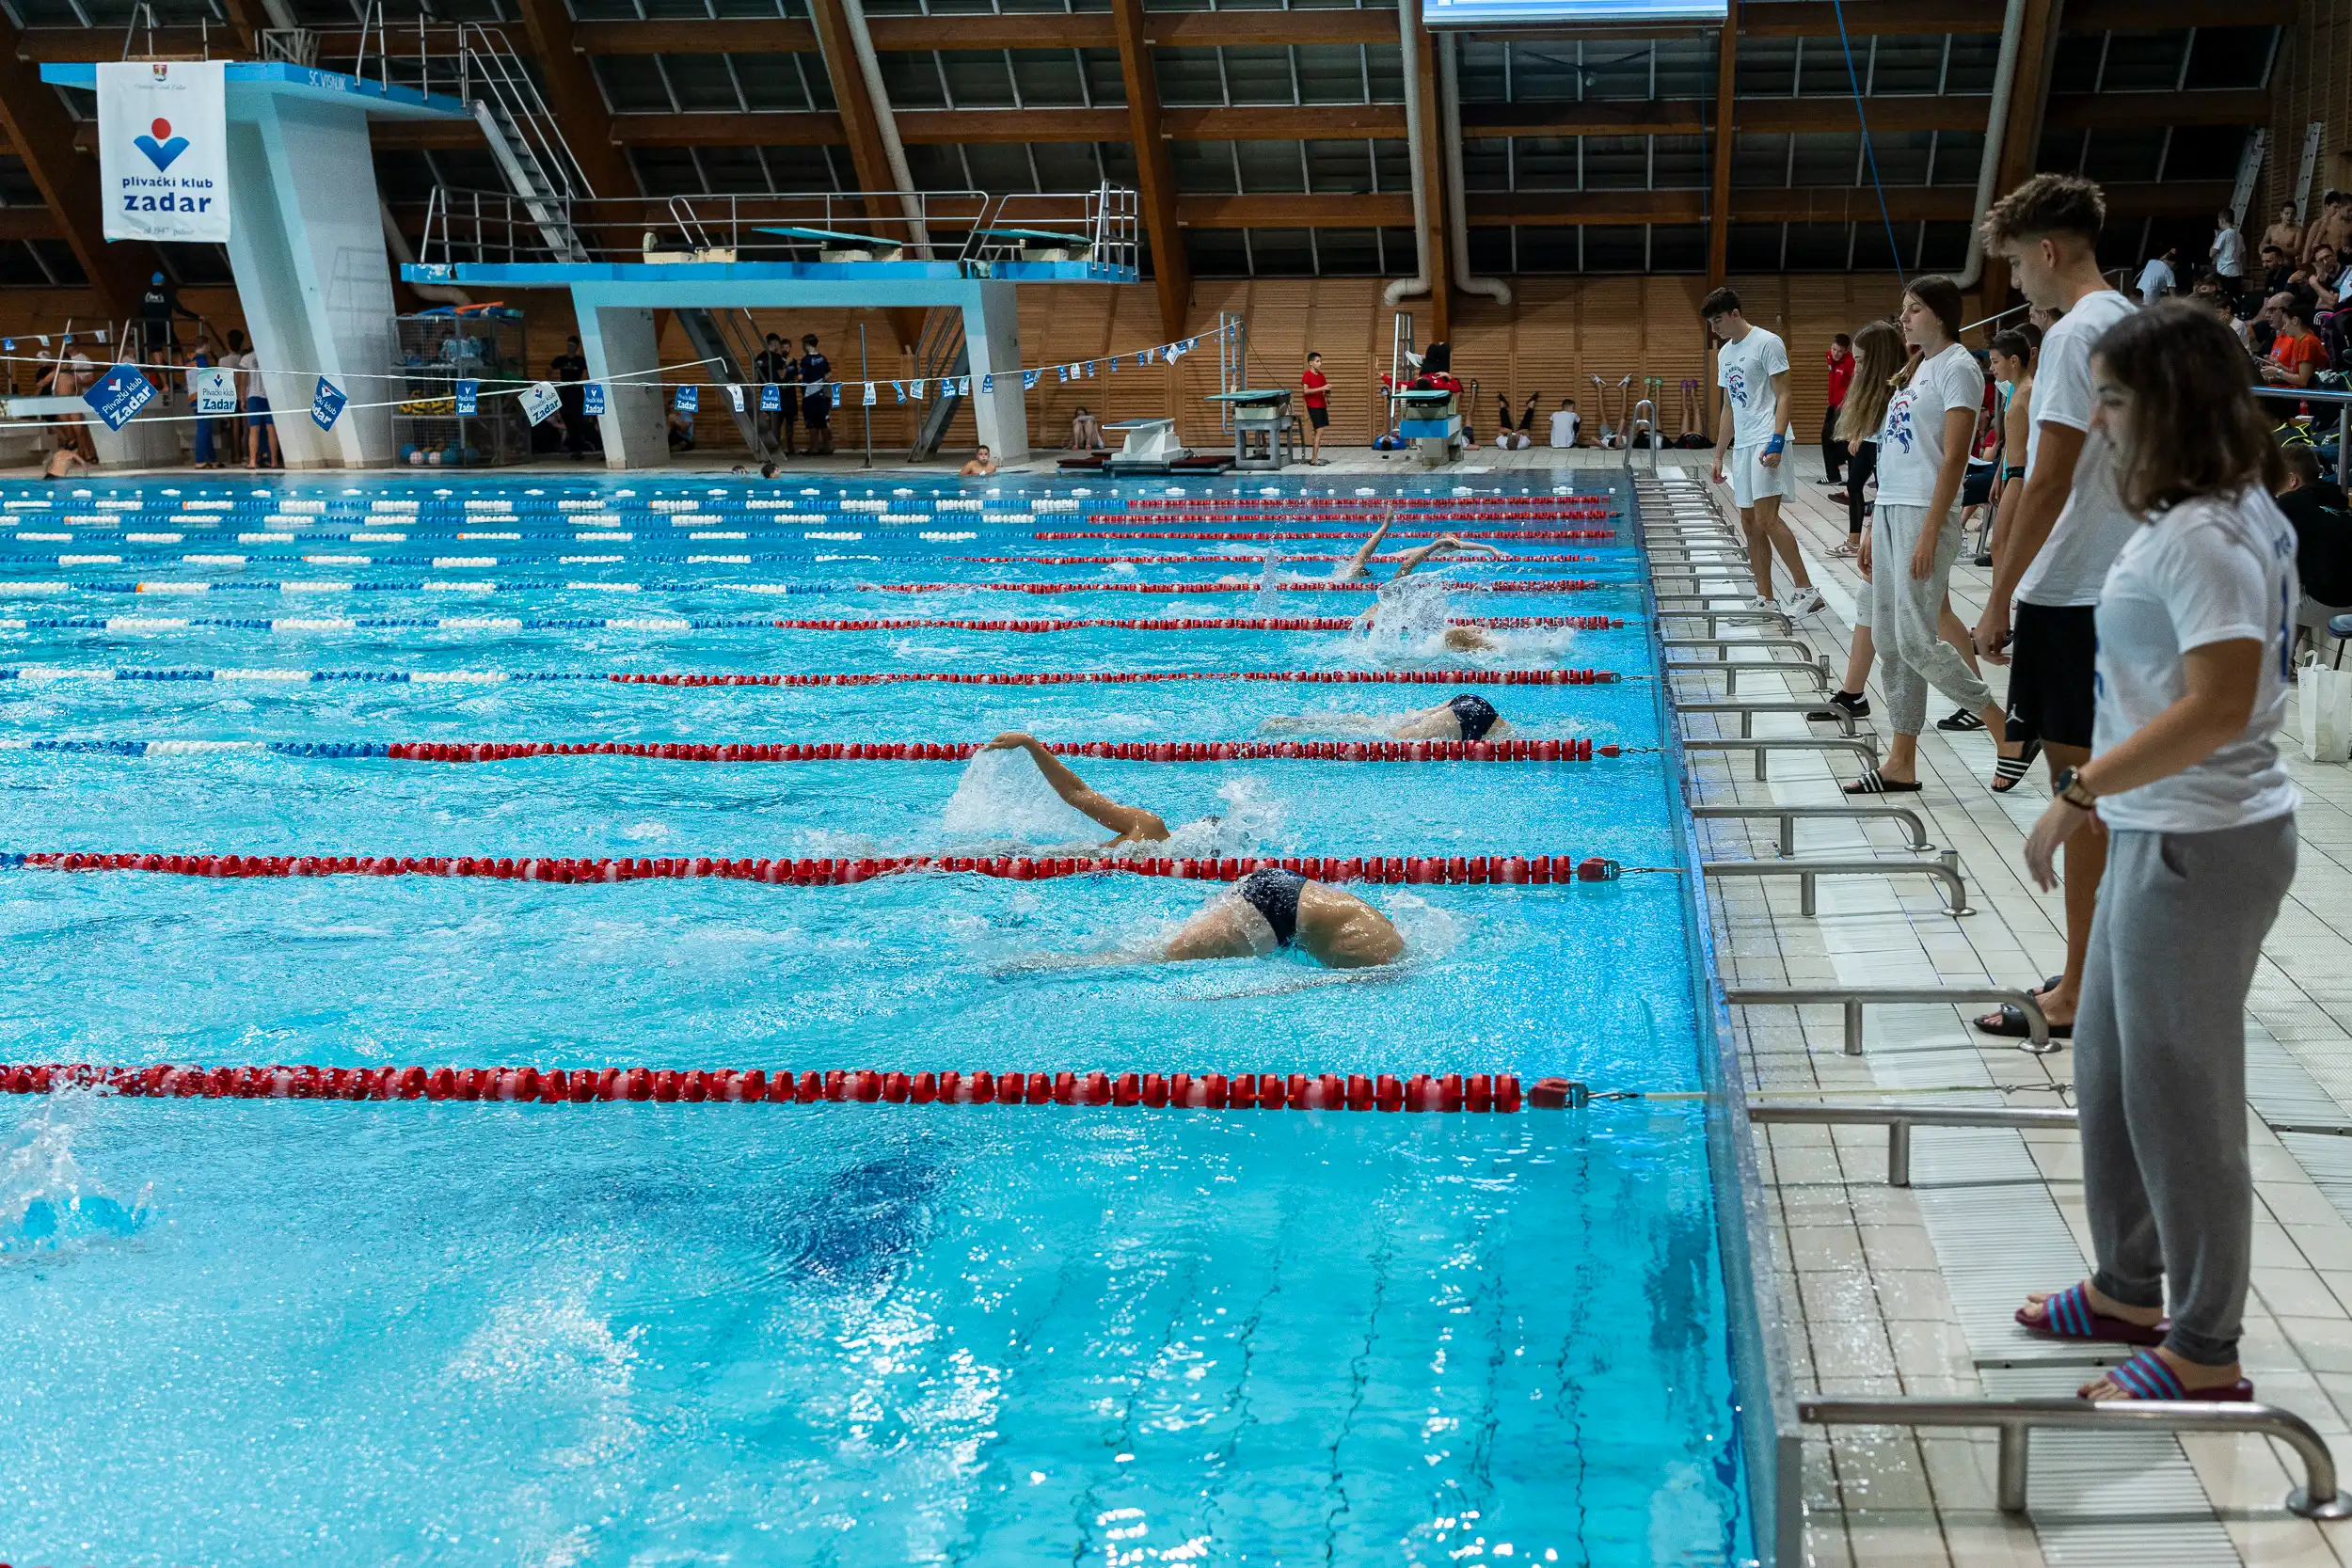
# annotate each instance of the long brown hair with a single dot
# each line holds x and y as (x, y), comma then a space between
(2193, 429)
(1879, 357)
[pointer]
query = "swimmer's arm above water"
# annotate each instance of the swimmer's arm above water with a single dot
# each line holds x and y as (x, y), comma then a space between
(1128, 822)
(1414, 557)
(1358, 565)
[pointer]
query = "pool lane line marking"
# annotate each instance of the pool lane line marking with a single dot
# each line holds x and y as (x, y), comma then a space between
(33, 673)
(300, 624)
(1572, 749)
(1416, 870)
(30, 588)
(1446, 1093)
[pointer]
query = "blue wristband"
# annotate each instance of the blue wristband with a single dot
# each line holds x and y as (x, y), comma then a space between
(1774, 447)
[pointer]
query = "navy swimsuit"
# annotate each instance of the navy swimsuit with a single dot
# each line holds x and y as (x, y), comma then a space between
(1274, 892)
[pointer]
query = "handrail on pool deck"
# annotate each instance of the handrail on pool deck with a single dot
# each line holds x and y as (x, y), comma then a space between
(1899, 1120)
(1731, 670)
(1854, 998)
(1944, 868)
(1789, 816)
(1748, 710)
(2316, 1499)
(1866, 745)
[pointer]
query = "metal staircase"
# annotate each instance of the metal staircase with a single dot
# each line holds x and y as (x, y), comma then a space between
(941, 354)
(727, 341)
(524, 138)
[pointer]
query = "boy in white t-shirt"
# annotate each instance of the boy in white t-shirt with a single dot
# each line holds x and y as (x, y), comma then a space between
(1567, 426)
(2065, 532)
(1752, 438)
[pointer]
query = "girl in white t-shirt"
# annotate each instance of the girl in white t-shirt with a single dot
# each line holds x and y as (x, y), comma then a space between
(2196, 623)
(1907, 556)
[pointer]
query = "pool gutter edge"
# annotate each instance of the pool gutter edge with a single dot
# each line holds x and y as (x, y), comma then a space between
(1770, 1434)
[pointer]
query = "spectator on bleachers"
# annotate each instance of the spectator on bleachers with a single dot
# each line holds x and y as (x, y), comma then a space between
(2296, 354)
(2157, 279)
(2315, 504)
(2228, 252)
(2285, 231)
(2332, 226)
(2278, 270)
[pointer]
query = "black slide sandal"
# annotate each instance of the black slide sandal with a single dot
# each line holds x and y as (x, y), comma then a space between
(1876, 783)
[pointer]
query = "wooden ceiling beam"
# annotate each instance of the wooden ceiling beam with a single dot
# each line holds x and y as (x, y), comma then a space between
(576, 99)
(43, 132)
(1386, 122)
(1719, 175)
(1156, 173)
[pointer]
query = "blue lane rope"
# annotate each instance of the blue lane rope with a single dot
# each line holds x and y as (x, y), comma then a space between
(1853, 80)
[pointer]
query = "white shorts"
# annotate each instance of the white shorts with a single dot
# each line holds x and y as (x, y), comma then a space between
(1750, 479)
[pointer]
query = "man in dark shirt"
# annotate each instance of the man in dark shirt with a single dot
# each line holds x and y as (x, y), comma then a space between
(158, 308)
(569, 370)
(2315, 504)
(817, 396)
(774, 367)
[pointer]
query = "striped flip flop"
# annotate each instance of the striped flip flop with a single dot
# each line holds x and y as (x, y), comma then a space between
(2148, 1376)
(2069, 1315)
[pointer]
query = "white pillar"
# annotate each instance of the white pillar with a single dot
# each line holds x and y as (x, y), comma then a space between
(617, 340)
(307, 246)
(991, 336)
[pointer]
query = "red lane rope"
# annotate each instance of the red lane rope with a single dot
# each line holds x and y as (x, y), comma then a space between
(1329, 533)
(1472, 870)
(1215, 1091)
(1400, 504)
(963, 750)
(1547, 585)
(1188, 624)
(1211, 560)
(1098, 677)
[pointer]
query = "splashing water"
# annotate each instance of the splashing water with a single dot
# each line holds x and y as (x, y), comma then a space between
(1252, 820)
(47, 1204)
(1410, 619)
(1270, 582)
(1002, 796)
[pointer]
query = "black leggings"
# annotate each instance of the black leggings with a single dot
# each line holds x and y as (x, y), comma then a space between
(1860, 466)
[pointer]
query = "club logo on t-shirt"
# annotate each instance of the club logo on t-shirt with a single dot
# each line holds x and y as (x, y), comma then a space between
(1737, 385)
(1899, 433)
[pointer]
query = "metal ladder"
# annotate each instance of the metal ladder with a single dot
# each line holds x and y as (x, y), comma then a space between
(942, 355)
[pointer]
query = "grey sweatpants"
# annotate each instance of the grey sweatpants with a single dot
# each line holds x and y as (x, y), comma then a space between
(1903, 612)
(2160, 1071)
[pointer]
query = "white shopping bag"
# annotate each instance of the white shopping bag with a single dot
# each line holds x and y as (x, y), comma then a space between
(2324, 699)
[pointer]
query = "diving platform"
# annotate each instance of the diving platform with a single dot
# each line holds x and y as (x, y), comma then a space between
(306, 242)
(622, 258)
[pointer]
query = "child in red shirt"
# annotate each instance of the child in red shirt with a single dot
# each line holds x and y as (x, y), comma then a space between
(1316, 386)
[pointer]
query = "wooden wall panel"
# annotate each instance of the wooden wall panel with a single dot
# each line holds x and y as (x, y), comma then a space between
(2312, 81)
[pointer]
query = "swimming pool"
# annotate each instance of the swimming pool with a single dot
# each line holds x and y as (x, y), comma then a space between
(491, 1333)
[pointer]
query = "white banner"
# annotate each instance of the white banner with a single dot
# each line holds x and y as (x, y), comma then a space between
(539, 400)
(163, 150)
(215, 389)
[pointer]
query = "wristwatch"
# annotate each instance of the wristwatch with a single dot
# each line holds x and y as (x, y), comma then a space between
(2075, 793)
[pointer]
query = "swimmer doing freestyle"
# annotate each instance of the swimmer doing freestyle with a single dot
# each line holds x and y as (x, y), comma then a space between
(1265, 912)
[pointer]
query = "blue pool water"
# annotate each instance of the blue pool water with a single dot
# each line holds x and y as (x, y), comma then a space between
(280, 1332)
